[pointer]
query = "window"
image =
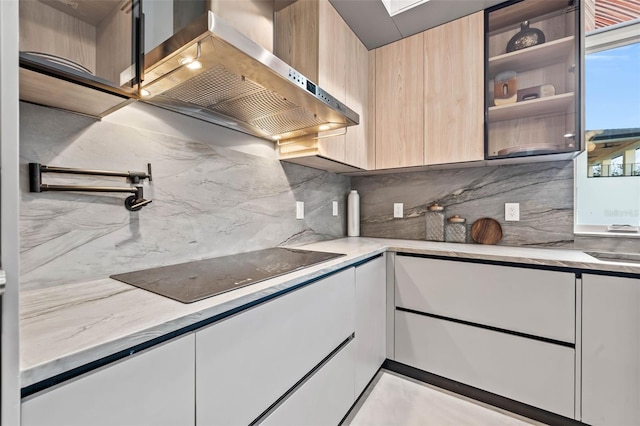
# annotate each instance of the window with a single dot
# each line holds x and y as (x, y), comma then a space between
(612, 130)
(615, 167)
(612, 121)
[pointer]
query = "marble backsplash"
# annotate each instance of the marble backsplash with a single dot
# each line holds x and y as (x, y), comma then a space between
(207, 200)
(544, 191)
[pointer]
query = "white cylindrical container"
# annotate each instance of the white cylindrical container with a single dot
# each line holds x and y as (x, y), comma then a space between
(353, 214)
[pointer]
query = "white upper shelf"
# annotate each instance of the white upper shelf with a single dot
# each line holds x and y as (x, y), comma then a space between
(538, 56)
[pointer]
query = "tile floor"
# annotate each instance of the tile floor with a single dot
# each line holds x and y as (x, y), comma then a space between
(395, 400)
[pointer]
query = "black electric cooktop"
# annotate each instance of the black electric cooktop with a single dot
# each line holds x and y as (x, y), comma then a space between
(192, 281)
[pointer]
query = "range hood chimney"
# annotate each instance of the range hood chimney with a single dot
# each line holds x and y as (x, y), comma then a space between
(211, 71)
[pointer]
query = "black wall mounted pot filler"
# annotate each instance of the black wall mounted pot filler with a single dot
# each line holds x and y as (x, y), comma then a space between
(132, 203)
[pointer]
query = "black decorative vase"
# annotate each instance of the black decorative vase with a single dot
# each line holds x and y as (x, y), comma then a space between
(527, 37)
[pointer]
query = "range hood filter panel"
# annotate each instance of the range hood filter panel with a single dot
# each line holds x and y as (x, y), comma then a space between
(290, 122)
(212, 87)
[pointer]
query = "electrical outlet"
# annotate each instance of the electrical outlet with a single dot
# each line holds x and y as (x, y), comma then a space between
(299, 209)
(512, 212)
(335, 208)
(398, 210)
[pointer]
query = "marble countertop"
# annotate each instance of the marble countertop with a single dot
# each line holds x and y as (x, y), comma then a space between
(67, 326)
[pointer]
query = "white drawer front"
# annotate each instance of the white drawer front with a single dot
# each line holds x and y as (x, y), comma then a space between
(526, 370)
(246, 362)
(324, 399)
(154, 387)
(531, 301)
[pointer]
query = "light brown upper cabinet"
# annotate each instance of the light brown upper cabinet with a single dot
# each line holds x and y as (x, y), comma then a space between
(453, 91)
(313, 38)
(430, 97)
(358, 142)
(399, 100)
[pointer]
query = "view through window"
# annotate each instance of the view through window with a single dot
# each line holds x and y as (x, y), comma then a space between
(612, 96)
(608, 172)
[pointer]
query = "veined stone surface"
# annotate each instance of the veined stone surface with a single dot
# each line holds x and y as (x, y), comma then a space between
(66, 326)
(544, 191)
(207, 201)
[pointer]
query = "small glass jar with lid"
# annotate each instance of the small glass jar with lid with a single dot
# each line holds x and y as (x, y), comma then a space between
(456, 230)
(435, 222)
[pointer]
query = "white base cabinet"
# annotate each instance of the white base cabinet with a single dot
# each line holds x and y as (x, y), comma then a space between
(248, 361)
(154, 387)
(233, 371)
(503, 329)
(527, 370)
(371, 320)
(324, 398)
(610, 350)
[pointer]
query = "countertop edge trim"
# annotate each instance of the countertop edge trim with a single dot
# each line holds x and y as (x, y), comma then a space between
(578, 270)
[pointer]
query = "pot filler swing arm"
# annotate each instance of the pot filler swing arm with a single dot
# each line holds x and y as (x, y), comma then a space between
(132, 203)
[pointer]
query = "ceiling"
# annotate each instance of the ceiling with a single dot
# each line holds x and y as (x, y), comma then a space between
(372, 24)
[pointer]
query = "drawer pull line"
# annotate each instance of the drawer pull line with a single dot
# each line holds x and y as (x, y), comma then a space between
(491, 328)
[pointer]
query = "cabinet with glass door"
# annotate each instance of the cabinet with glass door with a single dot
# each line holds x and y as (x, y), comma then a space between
(532, 78)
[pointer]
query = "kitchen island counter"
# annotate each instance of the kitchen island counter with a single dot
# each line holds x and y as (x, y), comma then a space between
(70, 326)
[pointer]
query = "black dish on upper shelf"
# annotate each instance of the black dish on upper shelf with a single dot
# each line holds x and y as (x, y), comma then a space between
(526, 37)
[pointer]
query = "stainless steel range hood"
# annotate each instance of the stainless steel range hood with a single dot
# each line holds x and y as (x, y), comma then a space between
(240, 85)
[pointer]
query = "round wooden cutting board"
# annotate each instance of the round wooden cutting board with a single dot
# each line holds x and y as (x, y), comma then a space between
(486, 231)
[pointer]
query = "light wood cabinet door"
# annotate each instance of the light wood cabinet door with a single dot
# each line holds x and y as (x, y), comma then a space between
(332, 72)
(371, 111)
(454, 91)
(357, 142)
(400, 103)
(296, 37)
(610, 350)
(313, 38)
(154, 387)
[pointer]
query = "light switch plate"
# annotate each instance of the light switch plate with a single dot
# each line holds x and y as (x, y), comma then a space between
(299, 209)
(335, 208)
(398, 210)
(511, 212)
